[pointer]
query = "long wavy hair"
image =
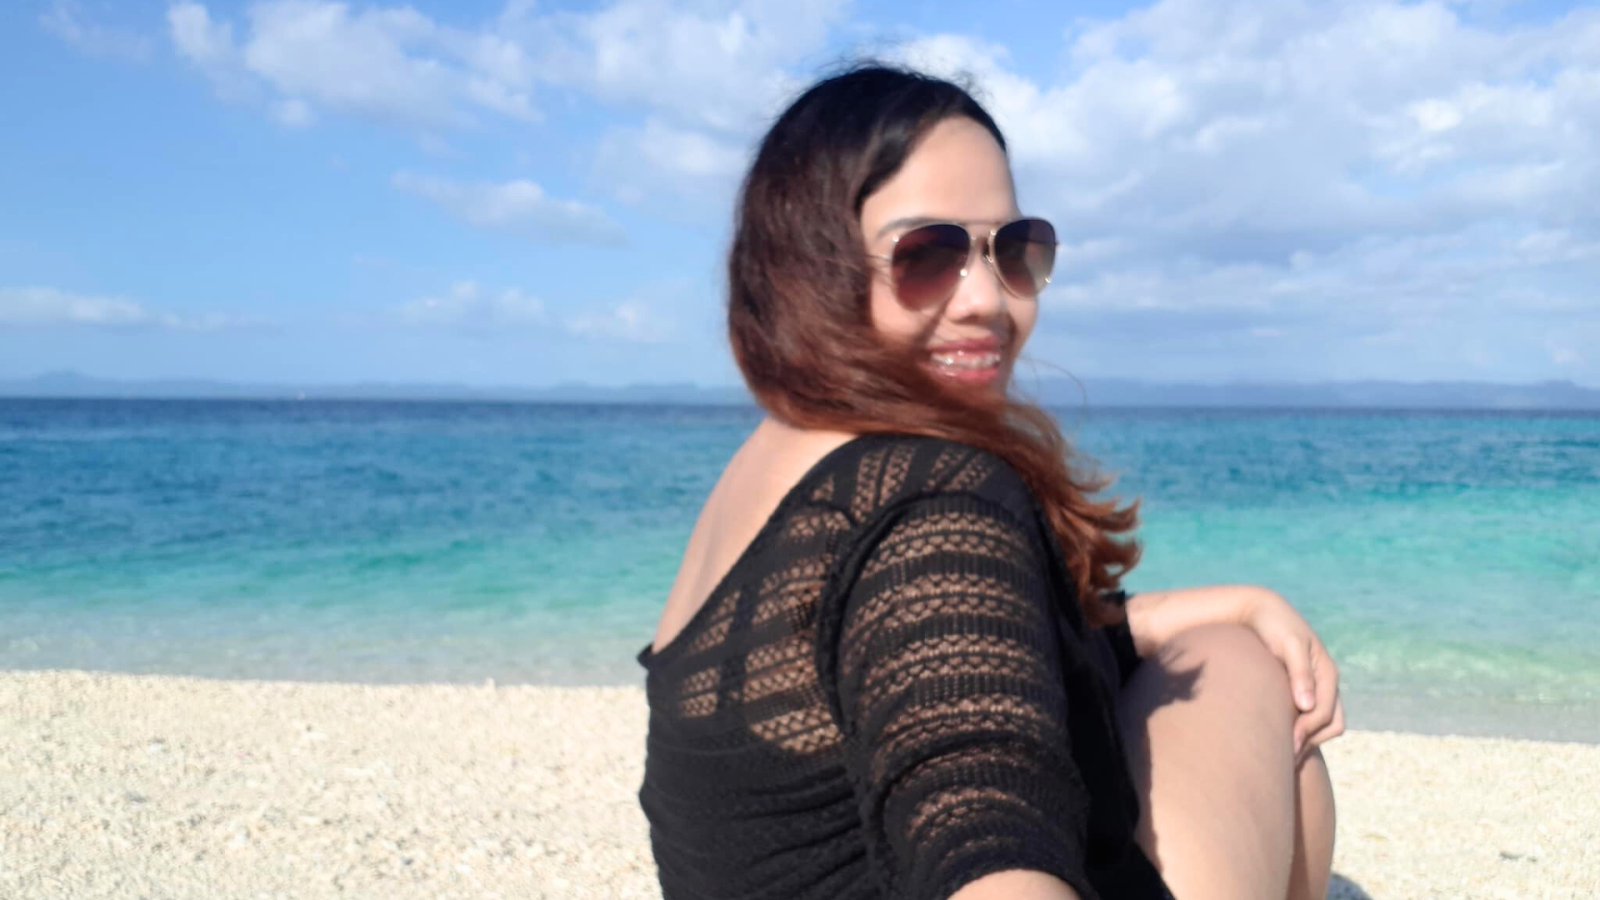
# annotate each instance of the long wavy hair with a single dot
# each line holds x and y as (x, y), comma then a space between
(799, 317)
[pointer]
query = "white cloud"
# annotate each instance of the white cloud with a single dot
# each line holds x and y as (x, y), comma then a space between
(720, 64)
(705, 77)
(1563, 355)
(391, 64)
(518, 206)
(1365, 170)
(67, 20)
(196, 36)
(1309, 176)
(1555, 246)
(468, 308)
(680, 151)
(630, 321)
(47, 306)
(1316, 122)
(1382, 307)
(293, 113)
(670, 162)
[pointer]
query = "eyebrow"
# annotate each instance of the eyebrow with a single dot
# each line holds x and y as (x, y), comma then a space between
(919, 221)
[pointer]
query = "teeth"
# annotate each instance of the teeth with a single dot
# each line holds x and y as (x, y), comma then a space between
(967, 360)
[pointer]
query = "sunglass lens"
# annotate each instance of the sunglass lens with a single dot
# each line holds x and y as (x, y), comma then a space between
(1025, 254)
(928, 262)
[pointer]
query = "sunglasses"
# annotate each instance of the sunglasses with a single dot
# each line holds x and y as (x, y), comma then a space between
(928, 262)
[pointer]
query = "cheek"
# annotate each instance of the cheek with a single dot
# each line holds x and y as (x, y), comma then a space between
(1024, 314)
(893, 322)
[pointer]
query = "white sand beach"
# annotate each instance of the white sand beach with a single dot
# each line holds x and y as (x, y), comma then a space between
(162, 787)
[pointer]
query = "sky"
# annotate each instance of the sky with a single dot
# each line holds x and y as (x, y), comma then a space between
(531, 193)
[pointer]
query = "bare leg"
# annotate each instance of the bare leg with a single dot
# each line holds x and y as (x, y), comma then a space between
(1208, 727)
(1313, 831)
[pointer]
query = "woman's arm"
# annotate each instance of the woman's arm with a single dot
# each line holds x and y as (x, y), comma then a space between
(1017, 884)
(1154, 617)
(946, 672)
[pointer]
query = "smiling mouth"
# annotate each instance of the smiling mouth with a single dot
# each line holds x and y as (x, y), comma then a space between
(973, 368)
(966, 360)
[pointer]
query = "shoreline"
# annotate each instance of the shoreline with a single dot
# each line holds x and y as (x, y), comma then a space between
(116, 785)
(1421, 712)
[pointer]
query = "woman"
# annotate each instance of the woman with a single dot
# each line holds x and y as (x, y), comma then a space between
(895, 661)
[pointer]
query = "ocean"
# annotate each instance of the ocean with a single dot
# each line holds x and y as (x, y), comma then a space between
(1451, 560)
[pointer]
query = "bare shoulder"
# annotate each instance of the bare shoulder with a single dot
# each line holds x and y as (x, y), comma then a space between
(765, 468)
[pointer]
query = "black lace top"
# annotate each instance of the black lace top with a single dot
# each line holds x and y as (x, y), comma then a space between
(891, 694)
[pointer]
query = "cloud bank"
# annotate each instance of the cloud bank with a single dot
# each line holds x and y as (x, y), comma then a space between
(1299, 189)
(37, 306)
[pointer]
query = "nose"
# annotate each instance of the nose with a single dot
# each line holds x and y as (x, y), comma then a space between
(979, 295)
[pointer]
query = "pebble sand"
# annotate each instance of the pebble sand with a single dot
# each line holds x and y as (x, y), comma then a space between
(133, 786)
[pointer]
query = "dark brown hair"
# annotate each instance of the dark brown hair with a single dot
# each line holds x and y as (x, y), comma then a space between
(799, 318)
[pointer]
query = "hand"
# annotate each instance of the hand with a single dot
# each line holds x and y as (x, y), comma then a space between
(1154, 617)
(1313, 677)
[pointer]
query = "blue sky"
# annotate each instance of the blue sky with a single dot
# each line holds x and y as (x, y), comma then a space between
(527, 193)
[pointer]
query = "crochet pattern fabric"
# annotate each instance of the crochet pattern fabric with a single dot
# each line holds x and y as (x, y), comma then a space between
(890, 694)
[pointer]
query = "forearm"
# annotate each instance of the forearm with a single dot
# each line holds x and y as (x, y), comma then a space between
(1154, 617)
(1016, 884)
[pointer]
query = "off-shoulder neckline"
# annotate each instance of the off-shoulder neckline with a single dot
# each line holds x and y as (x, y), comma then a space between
(650, 656)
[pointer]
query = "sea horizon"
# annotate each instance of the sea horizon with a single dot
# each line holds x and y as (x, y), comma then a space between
(1055, 391)
(1449, 558)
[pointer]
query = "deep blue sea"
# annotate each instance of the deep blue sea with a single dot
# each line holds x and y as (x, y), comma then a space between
(1450, 560)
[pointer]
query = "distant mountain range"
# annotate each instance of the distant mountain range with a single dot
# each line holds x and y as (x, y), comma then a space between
(1101, 392)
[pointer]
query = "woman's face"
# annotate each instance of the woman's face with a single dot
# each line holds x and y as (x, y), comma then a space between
(957, 173)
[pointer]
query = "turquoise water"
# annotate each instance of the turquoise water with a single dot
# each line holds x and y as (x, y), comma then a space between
(1451, 560)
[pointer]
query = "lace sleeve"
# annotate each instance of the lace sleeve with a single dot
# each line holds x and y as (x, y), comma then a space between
(949, 689)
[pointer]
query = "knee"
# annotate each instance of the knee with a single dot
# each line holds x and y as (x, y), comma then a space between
(1229, 658)
(1315, 785)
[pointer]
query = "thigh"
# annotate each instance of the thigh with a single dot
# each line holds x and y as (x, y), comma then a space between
(1208, 726)
(1314, 830)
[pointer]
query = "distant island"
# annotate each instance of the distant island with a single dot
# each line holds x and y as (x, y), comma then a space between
(1056, 393)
